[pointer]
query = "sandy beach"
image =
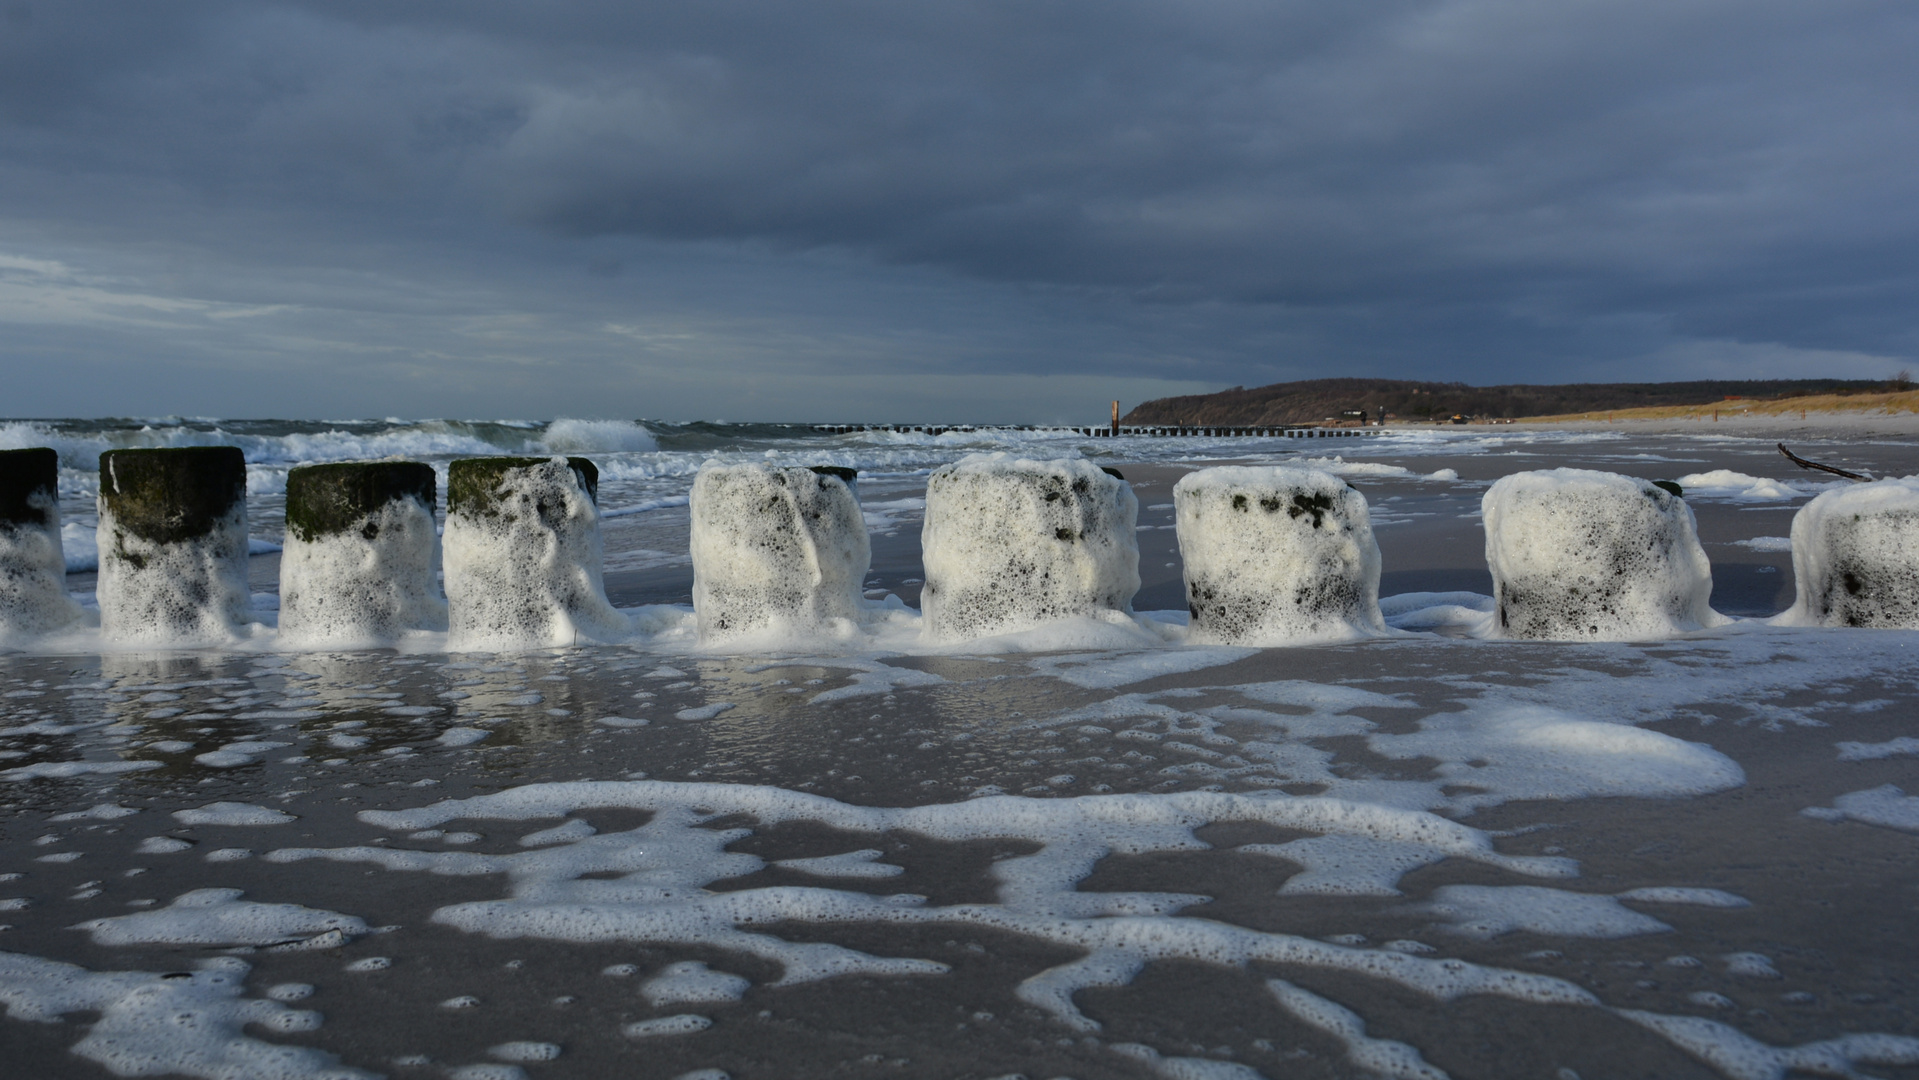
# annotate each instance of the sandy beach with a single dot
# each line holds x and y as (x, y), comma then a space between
(1427, 854)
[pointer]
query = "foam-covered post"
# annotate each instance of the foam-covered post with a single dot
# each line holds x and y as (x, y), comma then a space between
(1855, 555)
(1277, 555)
(33, 566)
(1010, 544)
(1578, 555)
(523, 555)
(173, 545)
(360, 555)
(777, 551)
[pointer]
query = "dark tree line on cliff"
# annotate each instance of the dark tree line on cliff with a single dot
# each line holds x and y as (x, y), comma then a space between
(1317, 399)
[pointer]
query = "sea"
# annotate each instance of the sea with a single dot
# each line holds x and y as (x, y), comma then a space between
(1079, 853)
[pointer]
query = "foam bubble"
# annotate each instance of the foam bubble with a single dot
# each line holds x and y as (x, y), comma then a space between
(1855, 557)
(1010, 544)
(692, 982)
(365, 585)
(1737, 487)
(33, 573)
(181, 1023)
(217, 917)
(233, 813)
(777, 553)
(1582, 555)
(523, 570)
(189, 592)
(1277, 555)
(1887, 805)
(683, 1024)
(525, 1051)
(1488, 911)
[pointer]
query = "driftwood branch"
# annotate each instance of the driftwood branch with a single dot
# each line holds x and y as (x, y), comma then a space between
(1804, 464)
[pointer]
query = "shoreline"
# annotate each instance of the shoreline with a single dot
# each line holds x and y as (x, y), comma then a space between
(1813, 424)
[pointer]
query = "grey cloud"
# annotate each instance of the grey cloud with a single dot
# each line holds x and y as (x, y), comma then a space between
(1473, 188)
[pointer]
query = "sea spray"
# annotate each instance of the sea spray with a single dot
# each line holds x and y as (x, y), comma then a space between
(1277, 555)
(361, 554)
(1010, 544)
(778, 551)
(33, 569)
(1578, 555)
(1855, 557)
(523, 555)
(173, 545)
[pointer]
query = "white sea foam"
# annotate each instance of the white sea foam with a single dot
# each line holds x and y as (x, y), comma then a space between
(690, 982)
(33, 581)
(525, 1051)
(1488, 911)
(593, 436)
(1526, 752)
(233, 813)
(218, 917)
(648, 885)
(191, 592)
(1737, 487)
(852, 864)
(365, 585)
(525, 572)
(101, 812)
(1857, 751)
(778, 554)
(1886, 805)
(1377, 1057)
(1582, 555)
(66, 770)
(181, 1023)
(1276, 556)
(1010, 544)
(1855, 557)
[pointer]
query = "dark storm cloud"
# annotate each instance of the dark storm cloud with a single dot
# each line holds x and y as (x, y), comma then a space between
(1476, 189)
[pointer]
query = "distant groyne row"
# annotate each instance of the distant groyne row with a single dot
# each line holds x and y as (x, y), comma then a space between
(1273, 555)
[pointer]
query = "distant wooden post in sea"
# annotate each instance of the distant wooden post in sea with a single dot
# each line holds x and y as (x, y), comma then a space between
(1115, 419)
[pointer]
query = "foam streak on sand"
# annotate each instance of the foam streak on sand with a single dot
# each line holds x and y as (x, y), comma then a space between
(649, 885)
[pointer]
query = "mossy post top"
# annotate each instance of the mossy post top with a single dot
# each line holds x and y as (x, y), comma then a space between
(323, 500)
(473, 484)
(841, 471)
(165, 496)
(23, 473)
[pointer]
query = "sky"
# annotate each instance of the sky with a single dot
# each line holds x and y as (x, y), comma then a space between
(925, 211)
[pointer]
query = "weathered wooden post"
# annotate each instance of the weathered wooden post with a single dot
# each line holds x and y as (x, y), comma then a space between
(361, 554)
(523, 555)
(173, 545)
(1855, 557)
(33, 565)
(1594, 556)
(1010, 544)
(1277, 555)
(779, 551)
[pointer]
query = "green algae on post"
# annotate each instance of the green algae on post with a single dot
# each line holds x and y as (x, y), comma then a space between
(323, 500)
(523, 555)
(361, 554)
(165, 496)
(473, 484)
(173, 545)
